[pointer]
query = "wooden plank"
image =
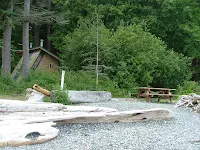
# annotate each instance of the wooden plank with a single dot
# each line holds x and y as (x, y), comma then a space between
(156, 88)
(155, 95)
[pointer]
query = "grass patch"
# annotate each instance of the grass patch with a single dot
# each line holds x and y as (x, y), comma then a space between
(81, 80)
(12, 96)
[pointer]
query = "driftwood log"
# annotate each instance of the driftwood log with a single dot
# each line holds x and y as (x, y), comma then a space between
(41, 90)
(25, 118)
(191, 101)
(17, 134)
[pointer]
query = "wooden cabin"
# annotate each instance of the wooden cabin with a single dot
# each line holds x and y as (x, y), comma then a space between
(40, 59)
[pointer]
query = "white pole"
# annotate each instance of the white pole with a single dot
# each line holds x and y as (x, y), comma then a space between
(62, 79)
(41, 43)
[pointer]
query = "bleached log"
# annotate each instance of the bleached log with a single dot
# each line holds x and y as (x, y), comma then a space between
(26, 106)
(113, 117)
(88, 117)
(16, 134)
(23, 118)
(33, 95)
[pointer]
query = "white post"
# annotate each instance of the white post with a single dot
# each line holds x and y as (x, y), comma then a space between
(41, 43)
(62, 79)
(31, 45)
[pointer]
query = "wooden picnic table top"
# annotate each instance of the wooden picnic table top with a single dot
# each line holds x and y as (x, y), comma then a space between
(146, 88)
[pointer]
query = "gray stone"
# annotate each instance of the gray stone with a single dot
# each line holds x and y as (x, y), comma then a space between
(89, 96)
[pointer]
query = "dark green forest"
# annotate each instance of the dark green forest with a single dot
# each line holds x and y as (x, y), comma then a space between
(114, 45)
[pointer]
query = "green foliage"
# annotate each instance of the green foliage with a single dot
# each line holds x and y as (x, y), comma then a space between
(85, 80)
(130, 56)
(188, 87)
(81, 80)
(46, 80)
(60, 96)
(139, 57)
(8, 85)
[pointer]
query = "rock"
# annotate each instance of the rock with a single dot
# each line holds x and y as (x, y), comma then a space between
(33, 95)
(89, 96)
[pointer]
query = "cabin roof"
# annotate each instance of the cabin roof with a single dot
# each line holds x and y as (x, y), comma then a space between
(43, 49)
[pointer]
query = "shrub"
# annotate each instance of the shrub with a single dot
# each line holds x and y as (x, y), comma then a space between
(60, 96)
(129, 55)
(188, 87)
(8, 85)
(86, 80)
(80, 80)
(44, 79)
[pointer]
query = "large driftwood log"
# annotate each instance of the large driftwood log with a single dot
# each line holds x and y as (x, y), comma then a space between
(17, 134)
(27, 106)
(86, 117)
(23, 118)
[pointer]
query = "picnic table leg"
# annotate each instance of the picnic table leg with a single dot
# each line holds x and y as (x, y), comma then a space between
(148, 98)
(171, 99)
(158, 99)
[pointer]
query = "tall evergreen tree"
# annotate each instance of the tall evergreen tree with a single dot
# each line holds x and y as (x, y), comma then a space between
(6, 45)
(25, 62)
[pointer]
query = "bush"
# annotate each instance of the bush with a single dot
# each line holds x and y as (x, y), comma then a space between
(188, 87)
(86, 80)
(44, 79)
(138, 57)
(8, 85)
(129, 55)
(80, 80)
(60, 96)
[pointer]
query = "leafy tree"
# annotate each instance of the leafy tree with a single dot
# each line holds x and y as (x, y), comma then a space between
(130, 55)
(137, 56)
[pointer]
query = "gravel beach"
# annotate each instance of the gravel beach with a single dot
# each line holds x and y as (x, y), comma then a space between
(174, 134)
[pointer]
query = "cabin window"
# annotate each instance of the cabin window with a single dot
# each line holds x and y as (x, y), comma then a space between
(51, 65)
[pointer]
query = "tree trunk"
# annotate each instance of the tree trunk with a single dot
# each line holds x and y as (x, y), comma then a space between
(25, 63)
(36, 36)
(49, 30)
(6, 50)
(48, 35)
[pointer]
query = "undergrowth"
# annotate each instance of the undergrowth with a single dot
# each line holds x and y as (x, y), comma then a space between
(81, 80)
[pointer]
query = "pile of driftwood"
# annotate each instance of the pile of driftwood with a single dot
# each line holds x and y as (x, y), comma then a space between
(192, 101)
(26, 122)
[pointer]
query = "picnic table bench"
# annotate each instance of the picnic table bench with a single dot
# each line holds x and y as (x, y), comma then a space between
(149, 92)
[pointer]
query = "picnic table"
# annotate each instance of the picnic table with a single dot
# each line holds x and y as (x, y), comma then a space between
(149, 92)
